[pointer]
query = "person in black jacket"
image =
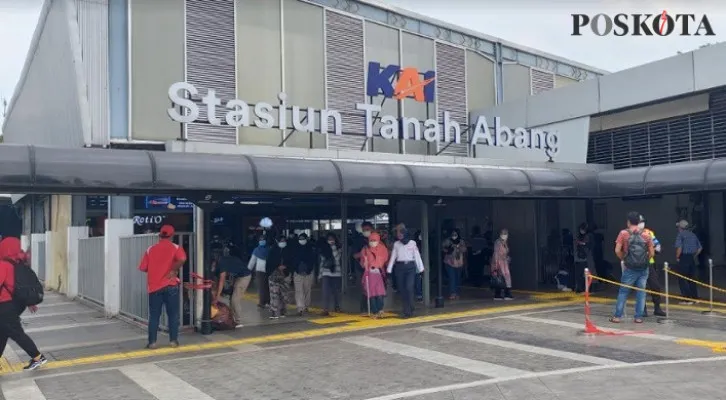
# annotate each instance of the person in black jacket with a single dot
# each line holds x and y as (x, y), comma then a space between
(304, 260)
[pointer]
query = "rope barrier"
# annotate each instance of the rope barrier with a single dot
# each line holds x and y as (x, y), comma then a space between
(718, 289)
(654, 292)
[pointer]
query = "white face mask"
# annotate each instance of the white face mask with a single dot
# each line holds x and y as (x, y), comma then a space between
(366, 233)
(641, 225)
(282, 245)
(373, 244)
(504, 237)
(302, 242)
(332, 244)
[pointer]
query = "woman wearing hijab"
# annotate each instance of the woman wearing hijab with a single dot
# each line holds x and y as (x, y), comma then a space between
(454, 250)
(500, 266)
(374, 258)
(407, 260)
(258, 264)
(331, 273)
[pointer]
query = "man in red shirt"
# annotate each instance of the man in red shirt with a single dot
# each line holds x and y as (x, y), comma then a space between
(10, 326)
(162, 262)
(634, 247)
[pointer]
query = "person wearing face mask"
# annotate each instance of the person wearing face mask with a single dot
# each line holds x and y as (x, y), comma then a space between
(374, 258)
(454, 252)
(500, 266)
(407, 260)
(653, 283)
(330, 273)
(258, 264)
(303, 265)
(359, 243)
(583, 258)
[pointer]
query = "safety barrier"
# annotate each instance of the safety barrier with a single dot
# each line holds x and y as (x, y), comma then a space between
(134, 295)
(91, 269)
(40, 253)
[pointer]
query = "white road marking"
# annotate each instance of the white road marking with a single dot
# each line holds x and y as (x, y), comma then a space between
(464, 364)
(582, 325)
(58, 314)
(23, 389)
(162, 384)
(535, 375)
(524, 347)
(549, 310)
(71, 326)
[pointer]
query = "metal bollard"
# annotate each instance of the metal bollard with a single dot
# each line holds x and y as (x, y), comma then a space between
(666, 319)
(710, 289)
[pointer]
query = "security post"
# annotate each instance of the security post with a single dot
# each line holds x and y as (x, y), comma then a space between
(666, 319)
(710, 288)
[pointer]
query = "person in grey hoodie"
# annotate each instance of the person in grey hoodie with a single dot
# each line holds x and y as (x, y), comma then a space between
(330, 267)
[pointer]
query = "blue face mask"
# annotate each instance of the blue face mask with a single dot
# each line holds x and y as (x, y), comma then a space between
(262, 242)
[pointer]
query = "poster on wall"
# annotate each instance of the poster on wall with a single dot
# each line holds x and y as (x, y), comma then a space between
(163, 203)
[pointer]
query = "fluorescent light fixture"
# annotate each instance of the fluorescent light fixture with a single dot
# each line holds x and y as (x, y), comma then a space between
(249, 203)
(229, 202)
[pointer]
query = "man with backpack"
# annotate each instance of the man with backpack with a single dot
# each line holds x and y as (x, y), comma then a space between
(19, 289)
(634, 247)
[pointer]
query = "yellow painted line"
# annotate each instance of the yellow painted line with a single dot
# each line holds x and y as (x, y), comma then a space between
(4, 364)
(352, 327)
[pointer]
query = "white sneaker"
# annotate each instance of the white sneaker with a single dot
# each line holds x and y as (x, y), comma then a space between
(238, 326)
(509, 298)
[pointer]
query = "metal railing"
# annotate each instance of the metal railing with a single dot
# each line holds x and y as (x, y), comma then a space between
(91, 269)
(40, 253)
(134, 294)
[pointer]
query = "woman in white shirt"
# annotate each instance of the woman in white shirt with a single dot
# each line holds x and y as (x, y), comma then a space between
(407, 260)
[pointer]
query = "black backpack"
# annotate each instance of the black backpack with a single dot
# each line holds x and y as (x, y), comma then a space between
(28, 289)
(637, 256)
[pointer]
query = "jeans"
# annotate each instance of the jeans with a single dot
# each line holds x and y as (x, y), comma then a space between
(331, 292)
(687, 267)
(405, 277)
(454, 279)
(11, 328)
(169, 298)
(637, 278)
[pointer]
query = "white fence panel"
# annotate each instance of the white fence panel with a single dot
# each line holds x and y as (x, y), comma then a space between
(40, 253)
(91, 269)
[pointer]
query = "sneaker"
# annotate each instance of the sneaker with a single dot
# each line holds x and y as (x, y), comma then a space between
(498, 298)
(509, 298)
(274, 317)
(687, 303)
(35, 364)
(152, 346)
(174, 344)
(238, 326)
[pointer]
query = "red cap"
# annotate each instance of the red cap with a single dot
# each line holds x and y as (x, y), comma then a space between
(166, 231)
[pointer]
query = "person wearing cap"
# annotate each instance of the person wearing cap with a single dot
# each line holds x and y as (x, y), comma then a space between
(162, 262)
(688, 247)
(653, 283)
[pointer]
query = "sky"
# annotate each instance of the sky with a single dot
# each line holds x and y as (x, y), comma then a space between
(541, 24)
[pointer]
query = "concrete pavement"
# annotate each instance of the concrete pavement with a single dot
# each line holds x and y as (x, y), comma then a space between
(522, 355)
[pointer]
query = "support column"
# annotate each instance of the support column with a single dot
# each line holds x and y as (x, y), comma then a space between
(51, 275)
(345, 262)
(207, 263)
(120, 207)
(115, 229)
(200, 255)
(75, 233)
(35, 240)
(78, 211)
(425, 252)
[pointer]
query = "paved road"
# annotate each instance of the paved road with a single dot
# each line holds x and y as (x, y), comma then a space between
(529, 356)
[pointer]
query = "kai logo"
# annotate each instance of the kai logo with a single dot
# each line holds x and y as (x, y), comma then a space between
(399, 83)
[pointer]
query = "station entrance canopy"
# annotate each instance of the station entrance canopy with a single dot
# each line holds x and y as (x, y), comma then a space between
(34, 169)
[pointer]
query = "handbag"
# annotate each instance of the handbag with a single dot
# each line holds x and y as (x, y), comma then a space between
(497, 282)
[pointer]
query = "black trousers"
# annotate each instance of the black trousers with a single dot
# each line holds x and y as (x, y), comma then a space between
(263, 288)
(406, 278)
(687, 267)
(11, 328)
(653, 284)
